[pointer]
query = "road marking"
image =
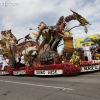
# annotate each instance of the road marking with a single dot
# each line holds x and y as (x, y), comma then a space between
(67, 89)
(62, 88)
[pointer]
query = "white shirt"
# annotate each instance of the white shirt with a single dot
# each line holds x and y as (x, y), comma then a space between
(86, 50)
(5, 62)
(22, 60)
(17, 59)
(62, 61)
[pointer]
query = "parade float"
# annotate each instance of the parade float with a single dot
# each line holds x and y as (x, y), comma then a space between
(50, 60)
(42, 58)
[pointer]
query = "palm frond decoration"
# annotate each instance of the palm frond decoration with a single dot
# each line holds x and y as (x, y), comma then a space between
(35, 34)
(85, 29)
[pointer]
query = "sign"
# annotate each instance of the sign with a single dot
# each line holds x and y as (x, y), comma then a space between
(90, 68)
(19, 72)
(80, 41)
(3, 72)
(48, 72)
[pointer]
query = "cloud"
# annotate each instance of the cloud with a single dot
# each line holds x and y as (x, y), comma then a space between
(28, 14)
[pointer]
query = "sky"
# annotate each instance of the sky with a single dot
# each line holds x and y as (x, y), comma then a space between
(20, 15)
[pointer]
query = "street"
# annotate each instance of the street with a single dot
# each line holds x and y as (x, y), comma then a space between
(82, 87)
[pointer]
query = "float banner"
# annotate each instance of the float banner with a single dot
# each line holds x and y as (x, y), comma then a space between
(80, 41)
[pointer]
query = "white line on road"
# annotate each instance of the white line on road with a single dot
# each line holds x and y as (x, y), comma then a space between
(63, 88)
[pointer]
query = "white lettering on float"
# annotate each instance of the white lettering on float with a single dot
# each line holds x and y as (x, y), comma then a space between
(48, 72)
(52, 72)
(20, 72)
(3, 72)
(90, 68)
(40, 72)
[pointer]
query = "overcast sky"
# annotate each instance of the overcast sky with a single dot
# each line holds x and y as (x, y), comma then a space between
(20, 15)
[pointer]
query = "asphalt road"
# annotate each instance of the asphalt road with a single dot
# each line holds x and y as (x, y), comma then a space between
(82, 87)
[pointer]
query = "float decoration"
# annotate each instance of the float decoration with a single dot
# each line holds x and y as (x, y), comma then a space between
(75, 59)
(46, 60)
(52, 35)
(83, 22)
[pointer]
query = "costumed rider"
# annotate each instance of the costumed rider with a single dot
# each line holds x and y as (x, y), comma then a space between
(22, 61)
(17, 59)
(87, 52)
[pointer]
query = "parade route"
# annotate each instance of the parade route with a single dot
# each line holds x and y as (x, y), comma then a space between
(82, 87)
(12, 82)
